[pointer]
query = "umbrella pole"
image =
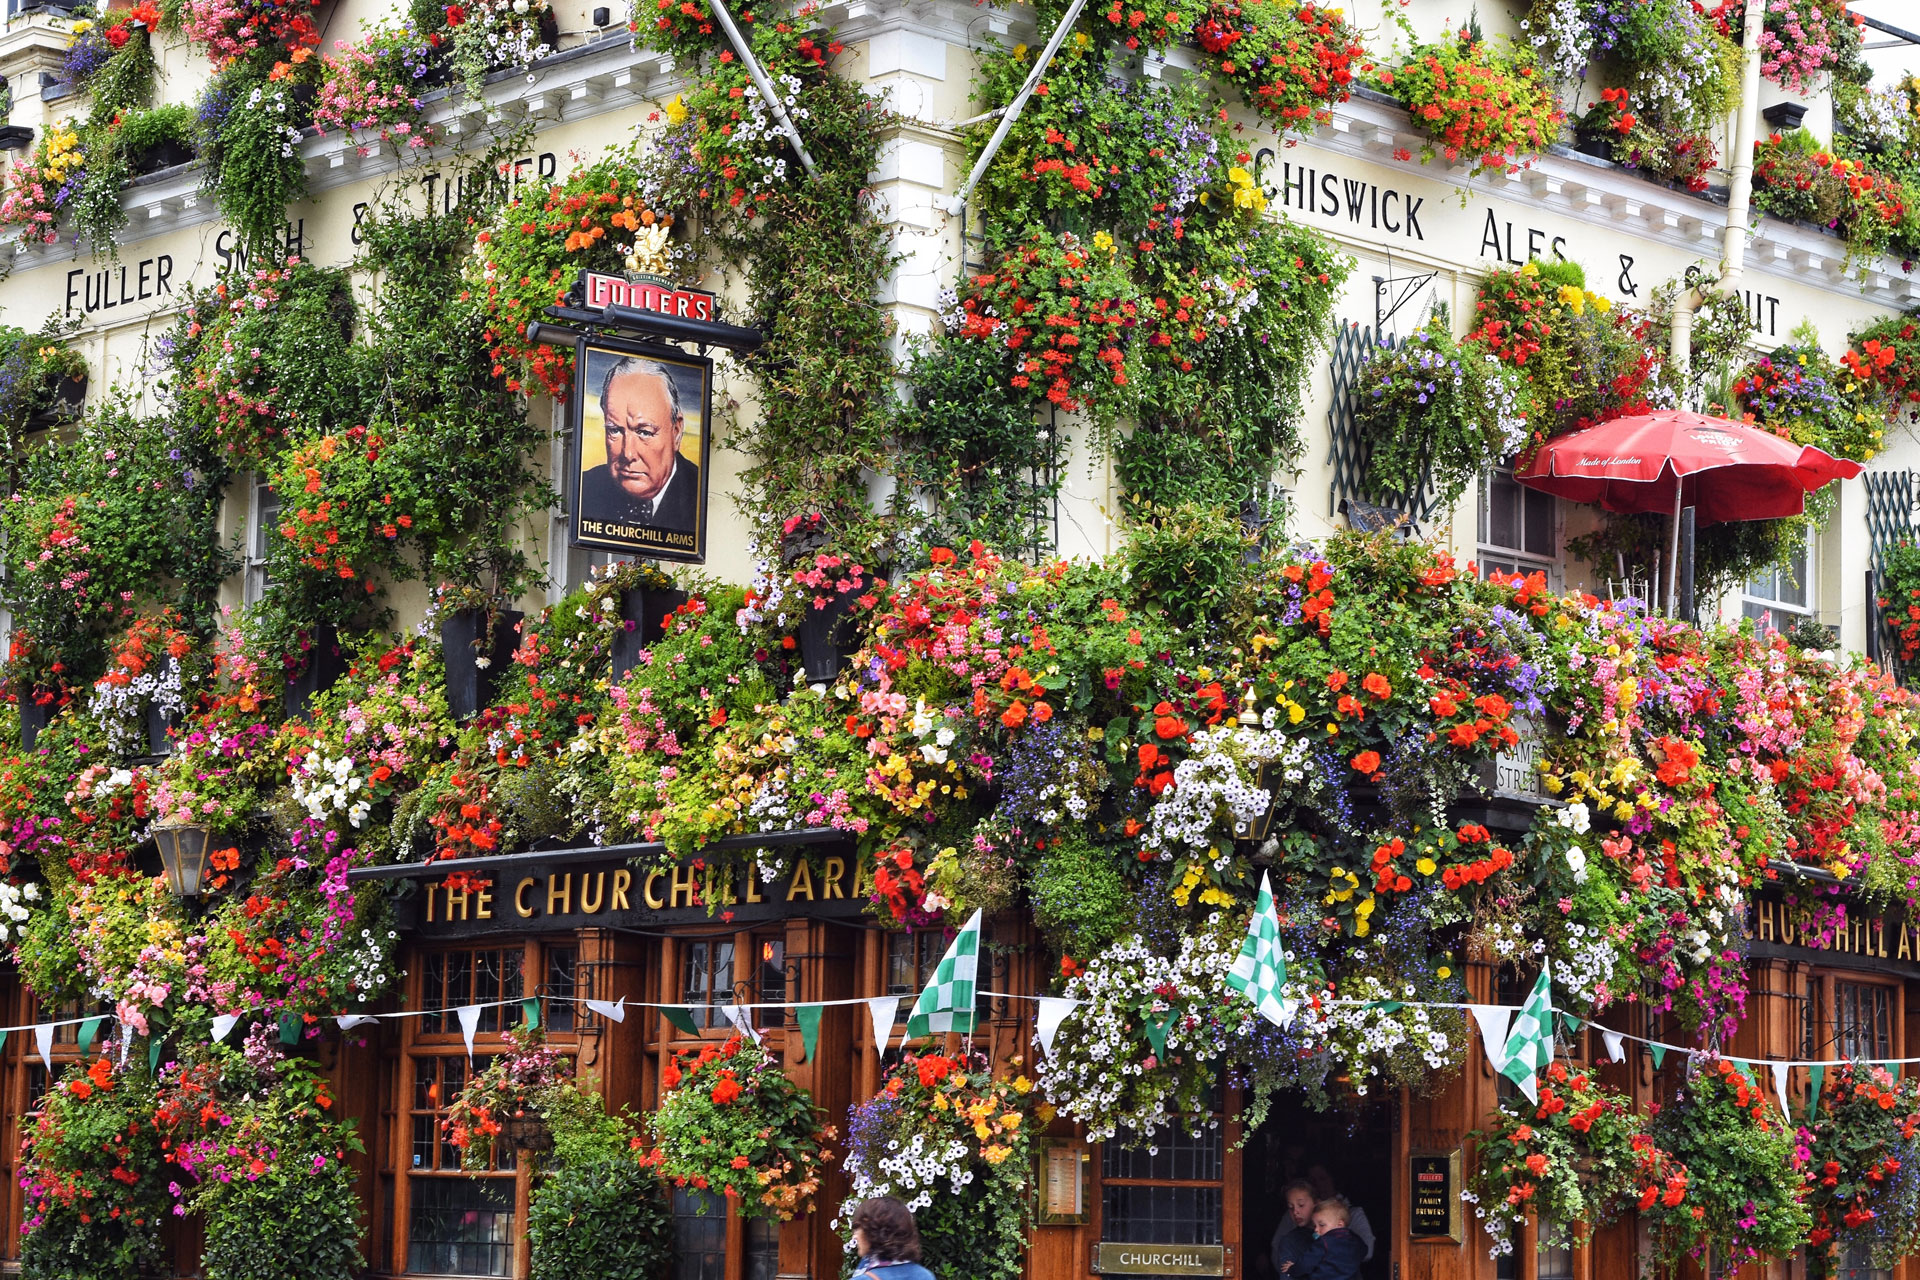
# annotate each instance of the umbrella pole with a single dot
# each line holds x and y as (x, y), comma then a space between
(1673, 552)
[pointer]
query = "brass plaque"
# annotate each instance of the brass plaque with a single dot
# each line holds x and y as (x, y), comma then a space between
(1434, 1177)
(1063, 1184)
(1160, 1259)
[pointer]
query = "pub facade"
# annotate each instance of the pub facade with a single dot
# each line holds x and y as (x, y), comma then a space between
(762, 896)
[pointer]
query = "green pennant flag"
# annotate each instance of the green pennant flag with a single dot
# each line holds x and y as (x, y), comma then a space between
(1816, 1077)
(1529, 1047)
(290, 1026)
(88, 1030)
(1386, 1006)
(680, 1016)
(947, 1003)
(530, 1010)
(1570, 1024)
(1156, 1029)
(808, 1016)
(1260, 971)
(1746, 1070)
(1659, 1052)
(153, 1055)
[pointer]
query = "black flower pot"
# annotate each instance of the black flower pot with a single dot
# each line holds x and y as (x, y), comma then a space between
(645, 611)
(62, 402)
(550, 29)
(825, 636)
(1784, 117)
(1593, 142)
(35, 715)
(464, 642)
(165, 155)
(325, 664)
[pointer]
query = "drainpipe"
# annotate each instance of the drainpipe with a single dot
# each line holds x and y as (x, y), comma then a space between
(1733, 254)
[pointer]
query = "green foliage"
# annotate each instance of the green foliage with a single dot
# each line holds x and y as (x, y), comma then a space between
(1435, 413)
(144, 130)
(604, 1216)
(96, 1191)
(106, 526)
(977, 448)
(813, 256)
(1080, 900)
(250, 144)
(296, 1216)
(731, 1120)
(1189, 558)
(1739, 1156)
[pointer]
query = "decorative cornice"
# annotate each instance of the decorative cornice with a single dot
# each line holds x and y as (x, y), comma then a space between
(608, 75)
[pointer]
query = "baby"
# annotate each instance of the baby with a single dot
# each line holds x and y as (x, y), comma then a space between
(1335, 1254)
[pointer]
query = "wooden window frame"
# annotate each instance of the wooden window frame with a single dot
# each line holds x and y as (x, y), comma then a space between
(395, 1166)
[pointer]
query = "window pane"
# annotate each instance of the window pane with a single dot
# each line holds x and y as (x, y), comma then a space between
(1503, 511)
(1161, 1215)
(461, 1226)
(771, 985)
(1556, 1263)
(1172, 1154)
(899, 964)
(763, 1248)
(1539, 521)
(699, 1235)
(562, 985)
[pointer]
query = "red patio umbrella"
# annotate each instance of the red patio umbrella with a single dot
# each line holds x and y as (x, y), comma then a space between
(1664, 461)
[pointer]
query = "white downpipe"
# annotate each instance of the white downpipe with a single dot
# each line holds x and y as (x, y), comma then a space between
(1733, 252)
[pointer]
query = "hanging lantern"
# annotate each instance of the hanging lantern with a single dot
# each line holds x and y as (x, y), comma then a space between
(183, 852)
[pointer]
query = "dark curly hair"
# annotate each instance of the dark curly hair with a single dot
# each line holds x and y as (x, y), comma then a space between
(891, 1234)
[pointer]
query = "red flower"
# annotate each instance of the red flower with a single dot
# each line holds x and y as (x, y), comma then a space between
(1367, 762)
(455, 15)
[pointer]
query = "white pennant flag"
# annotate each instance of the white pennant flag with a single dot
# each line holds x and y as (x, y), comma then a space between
(1053, 1011)
(1780, 1070)
(43, 1038)
(883, 1010)
(469, 1023)
(222, 1024)
(1493, 1020)
(609, 1010)
(742, 1020)
(1616, 1049)
(348, 1021)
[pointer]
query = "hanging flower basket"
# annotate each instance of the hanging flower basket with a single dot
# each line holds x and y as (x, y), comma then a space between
(528, 1133)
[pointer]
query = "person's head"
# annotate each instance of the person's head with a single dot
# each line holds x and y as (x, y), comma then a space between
(883, 1228)
(1300, 1199)
(1321, 1181)
(640, 405)
(1327, 1215)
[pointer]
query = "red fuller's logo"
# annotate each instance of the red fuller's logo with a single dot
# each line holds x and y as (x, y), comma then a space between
(648, 295)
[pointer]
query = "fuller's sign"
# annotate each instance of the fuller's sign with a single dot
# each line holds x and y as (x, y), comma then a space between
(576, 895)
(646, 293)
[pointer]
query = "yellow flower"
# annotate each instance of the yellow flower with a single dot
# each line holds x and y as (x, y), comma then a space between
(677, 109)
(1443, 972)
(1600, 304)
(1103, 242)
(1426, 866)
(1082, 39)
(1022, 1085)
(1530, 270)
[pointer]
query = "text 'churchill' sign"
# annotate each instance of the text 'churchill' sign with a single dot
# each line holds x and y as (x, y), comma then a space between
(576, 895)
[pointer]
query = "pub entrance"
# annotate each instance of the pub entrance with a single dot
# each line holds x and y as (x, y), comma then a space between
(1347, 1150)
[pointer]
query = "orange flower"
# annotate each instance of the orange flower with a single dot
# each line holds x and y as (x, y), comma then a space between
(1367, 762)
(1376, 684)
(1014, 716)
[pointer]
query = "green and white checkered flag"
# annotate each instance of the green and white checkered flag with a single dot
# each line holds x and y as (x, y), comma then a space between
(947, 1003)
(1260, 971)
(1529, 1045)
